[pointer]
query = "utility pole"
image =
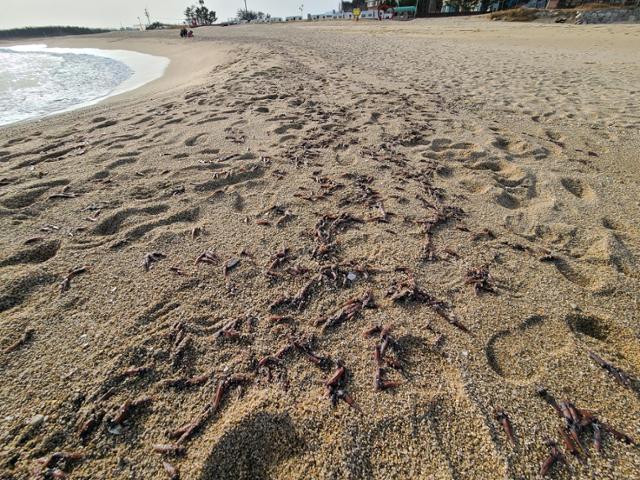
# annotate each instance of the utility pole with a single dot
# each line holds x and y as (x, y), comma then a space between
(146, 13)
(246, 10)
(140, 22)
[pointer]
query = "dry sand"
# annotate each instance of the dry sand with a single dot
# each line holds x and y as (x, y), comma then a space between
(452, 144)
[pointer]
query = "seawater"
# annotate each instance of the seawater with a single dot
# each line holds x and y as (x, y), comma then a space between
(37, 81)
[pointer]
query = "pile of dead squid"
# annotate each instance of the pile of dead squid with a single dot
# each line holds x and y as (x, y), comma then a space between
(579, 429)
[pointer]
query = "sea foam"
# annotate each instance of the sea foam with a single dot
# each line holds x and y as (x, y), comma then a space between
(37, 81)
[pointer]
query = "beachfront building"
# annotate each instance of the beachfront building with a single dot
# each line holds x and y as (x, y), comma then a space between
(295, 18)
(333, 15)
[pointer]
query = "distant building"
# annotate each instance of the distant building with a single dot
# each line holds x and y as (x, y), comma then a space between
(333, 15)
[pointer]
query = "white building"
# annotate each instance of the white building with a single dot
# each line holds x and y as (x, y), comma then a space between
(331, 16)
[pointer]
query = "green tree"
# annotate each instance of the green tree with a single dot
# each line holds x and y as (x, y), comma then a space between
(199, 15)
(250, 15)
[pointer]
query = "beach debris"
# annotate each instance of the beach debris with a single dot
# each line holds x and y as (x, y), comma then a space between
(277, 260)
(181, 343)
(280, 319)
(299, 300)
(580, 423)
(228, 330)
(229, 265)
(136, 371)
(442, 215)
(268, 360)
(49, 228)
(304, 348)
(381, 384)
(408, 291)
(178, 271)
(618, 435)
(95, 216)
(505, 421)
(348, 311)
(334, 379)
(56, 465)
(127, 409)
(26, 337)
(380, 358)
(554, 457)
(208, 257)
(169, 449)
(286, 216)
(224, 385)
(343, 276)
(481, 280)
(171, 471)
(66, 283)
(334, 389)
(184, 433)
(196, 232)
(89, 425)
(62, 195)
(597, 437)
(326, 229)
(619, 376)
(151, 258)
(568, 442)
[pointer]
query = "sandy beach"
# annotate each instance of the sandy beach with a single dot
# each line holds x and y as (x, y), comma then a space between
(331, 251)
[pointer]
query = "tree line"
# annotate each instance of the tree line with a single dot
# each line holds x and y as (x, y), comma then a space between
(51, 31)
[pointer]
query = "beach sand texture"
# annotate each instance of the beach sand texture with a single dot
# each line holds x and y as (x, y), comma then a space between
(480, 180)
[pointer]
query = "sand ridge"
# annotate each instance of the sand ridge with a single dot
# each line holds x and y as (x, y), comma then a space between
(241, 233)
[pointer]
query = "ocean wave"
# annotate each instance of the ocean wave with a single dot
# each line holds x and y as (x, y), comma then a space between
(36, 81)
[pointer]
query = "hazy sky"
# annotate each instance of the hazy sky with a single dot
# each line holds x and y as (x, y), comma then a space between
(113, 13)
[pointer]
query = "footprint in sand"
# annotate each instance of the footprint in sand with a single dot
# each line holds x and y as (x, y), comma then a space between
(285, 128)
(607, 338)
(112, 224)
(194, 140)
(610, 251)
(40, 253)
(578, 188)
(17, 290)
(31, 194)
(522, 355)
(512, 186)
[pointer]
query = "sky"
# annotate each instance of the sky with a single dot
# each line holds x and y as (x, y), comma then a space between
(114, 13)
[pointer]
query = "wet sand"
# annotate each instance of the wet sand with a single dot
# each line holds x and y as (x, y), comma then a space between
(243, 221)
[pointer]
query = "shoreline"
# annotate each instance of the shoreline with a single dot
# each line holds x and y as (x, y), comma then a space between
(188, 64)
(145, 69)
